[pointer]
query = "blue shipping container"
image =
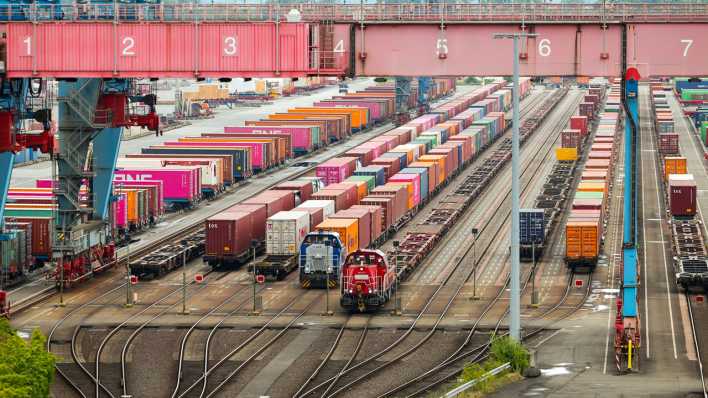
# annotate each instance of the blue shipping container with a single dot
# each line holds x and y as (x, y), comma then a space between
(423, 172)
(531, 226)
(379, 173)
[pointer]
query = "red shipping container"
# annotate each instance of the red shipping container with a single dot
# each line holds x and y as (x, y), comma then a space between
(579, 123)
(400, 196)
(386, 204)
(352, 188)
(669, 143)
(414, 178)
(571, 138)
(42, 234)
(274, 201)
(467, 144)
(316, 214)
(364, 220)
(260, 214)
(682, 195)
(376, 212)
(392, 165)
(364, 155)
(587, 109)
(302, 189)
(228, 235)
(343, 198)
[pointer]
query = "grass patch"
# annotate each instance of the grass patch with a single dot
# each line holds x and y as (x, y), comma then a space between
(503, 349)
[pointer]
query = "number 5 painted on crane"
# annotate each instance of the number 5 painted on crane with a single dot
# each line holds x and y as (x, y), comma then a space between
(688, 43)
(441, 47)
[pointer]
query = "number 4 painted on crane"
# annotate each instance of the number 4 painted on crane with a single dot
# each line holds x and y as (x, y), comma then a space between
(688, 43)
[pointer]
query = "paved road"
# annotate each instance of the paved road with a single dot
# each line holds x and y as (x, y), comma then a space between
(578, 360)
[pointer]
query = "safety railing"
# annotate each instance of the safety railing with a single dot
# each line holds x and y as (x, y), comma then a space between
(360, 12)
(464, 387)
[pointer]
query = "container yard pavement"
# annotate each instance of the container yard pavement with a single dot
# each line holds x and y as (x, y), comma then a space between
(572, 361)
(26, 176)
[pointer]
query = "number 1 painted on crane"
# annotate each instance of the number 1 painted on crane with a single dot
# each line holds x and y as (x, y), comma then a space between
(28, 42)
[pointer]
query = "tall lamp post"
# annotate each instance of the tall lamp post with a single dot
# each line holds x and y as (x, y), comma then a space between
(515, 305)
(254, 245)
(396, 299)
(475, 231)
(328, 273)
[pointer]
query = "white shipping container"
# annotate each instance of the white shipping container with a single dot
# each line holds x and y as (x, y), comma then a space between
(208, 172)
(327, 206)
(285, 231)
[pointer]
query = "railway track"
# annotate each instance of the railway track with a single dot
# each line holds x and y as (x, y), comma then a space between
(462, 277)
(698, 320)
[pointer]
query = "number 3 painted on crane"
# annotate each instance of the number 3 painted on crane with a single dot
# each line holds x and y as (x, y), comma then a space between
(230, 46)
(544, 48)
(128, 44)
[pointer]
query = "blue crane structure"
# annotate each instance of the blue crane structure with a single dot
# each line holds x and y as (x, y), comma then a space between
(627, 325)
(91, 115)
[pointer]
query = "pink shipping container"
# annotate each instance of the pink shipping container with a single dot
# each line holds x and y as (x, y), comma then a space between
(259, 158)
(120, 211)
(602, 164)
(180, 185)
(600, 155)
(390, 141)
(301, 137)
(88, 49)
(336, 170)
(415, 179)
(587, 204)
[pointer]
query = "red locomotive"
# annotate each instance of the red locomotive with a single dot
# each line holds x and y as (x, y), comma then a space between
(368, 281)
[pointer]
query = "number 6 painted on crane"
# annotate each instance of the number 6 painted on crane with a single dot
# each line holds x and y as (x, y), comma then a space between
(544, 47)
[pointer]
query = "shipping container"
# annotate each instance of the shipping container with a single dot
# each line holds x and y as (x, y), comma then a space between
(285, 231)
(347, 228)
(682, 195)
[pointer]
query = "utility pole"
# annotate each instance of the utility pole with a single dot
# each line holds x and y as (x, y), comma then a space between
(534, 295)
(254, 245)
(515, 304)
(475, 231)
(184, 283)
(396, 300)
(128, 292)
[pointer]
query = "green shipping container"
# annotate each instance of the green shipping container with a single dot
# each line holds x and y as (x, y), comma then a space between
(691, 94)
(589, 195)
(28, 213)
(9, 252)
(426, 140)
(369, 180)
(704, 133)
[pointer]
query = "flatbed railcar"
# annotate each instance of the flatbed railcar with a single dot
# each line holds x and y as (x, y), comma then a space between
(691, 260)
(364, 290)
(169, 257)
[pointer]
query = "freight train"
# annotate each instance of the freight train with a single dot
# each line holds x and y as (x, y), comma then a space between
(321, 257)
(584, 229)
(368, 278)
(688, 243)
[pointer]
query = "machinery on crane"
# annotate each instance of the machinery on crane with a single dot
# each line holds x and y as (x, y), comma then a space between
(91, 115)
(627, 325)
(403, 93)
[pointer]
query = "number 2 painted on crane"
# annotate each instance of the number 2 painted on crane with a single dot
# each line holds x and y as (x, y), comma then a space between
(544, 48)
(230, 46)
(28, 42)
(128, 44)
(688, 43)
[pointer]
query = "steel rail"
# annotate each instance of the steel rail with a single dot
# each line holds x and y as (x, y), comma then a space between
(562, 121)
(424, 310)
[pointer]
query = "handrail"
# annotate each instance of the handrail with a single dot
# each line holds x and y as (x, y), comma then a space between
(356, 12)
(457, 390)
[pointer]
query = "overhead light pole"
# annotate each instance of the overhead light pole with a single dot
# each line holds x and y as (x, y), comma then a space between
(515, 310)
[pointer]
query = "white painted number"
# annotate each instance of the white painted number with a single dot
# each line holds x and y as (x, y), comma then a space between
(442, 47)
(28, 41)
(230, 45)
(544, 48)
(688, 43)
(128, 44)
(339, 48)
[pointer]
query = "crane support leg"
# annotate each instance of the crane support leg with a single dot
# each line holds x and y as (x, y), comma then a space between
(6, 161)
(105, 149)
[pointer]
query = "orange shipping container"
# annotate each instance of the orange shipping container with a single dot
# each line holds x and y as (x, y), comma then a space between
(361, 188)
(440, 161)
(357, 116)
(432, 173)
(674, 165)
(582, 240)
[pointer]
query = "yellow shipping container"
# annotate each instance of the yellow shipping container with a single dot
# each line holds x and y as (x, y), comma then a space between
(588, 186)
(674, 165)
(347, 228)
(567, 154)
(440, 160)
